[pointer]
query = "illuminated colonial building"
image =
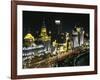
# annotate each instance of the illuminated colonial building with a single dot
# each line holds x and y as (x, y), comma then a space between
(28, 40)
(29, 37)
(69, 42)
(43, 34)
(45, 38)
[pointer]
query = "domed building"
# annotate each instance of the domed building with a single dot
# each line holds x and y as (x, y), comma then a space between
(28, 40)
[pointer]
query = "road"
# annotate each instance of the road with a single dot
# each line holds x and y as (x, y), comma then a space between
(52, 60)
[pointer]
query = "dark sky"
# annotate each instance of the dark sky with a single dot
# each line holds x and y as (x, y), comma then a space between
(33, 21)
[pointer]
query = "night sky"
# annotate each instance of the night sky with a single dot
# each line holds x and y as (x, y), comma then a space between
(33, 21)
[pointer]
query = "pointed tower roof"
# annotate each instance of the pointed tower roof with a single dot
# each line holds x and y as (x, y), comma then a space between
(29, 36)
(43, 25)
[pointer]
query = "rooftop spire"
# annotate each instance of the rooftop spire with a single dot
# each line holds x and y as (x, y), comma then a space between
(44, 22)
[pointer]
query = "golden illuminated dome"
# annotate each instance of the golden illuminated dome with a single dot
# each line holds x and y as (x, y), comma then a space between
(29, 36)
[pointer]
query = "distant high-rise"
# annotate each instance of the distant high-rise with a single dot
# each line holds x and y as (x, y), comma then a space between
(75, 39)
(82, 37)
(59, 27)
(78, 36)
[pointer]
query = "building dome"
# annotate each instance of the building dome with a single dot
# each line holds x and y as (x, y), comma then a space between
(29, 36)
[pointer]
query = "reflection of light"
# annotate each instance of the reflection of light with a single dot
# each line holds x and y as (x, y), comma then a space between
(57, 21)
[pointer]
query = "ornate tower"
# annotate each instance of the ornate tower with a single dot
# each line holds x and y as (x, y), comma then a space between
(43, 34)
(43, 30)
